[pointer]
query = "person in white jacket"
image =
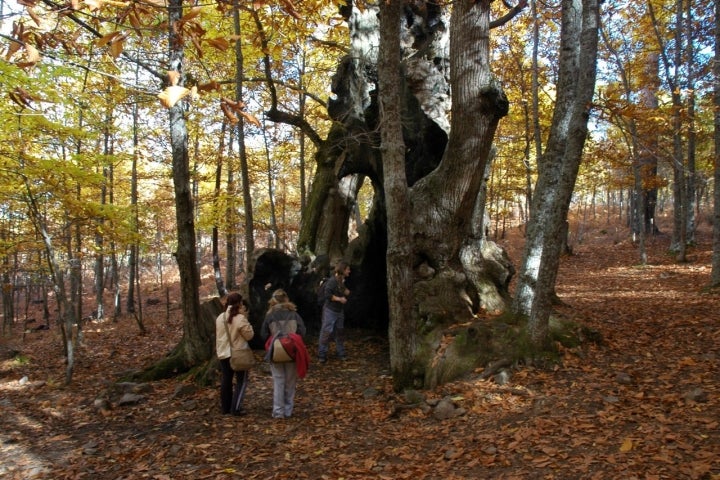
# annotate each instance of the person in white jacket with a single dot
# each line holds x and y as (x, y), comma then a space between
(235, 317)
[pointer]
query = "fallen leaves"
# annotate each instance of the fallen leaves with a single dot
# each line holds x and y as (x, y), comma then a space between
(545, 424)
(627, 445)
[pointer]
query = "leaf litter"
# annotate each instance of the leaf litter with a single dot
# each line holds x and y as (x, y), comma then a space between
(644, 404)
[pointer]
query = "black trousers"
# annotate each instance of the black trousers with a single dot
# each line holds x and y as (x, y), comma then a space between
(231, 401)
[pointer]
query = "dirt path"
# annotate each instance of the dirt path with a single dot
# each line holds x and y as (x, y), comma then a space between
(644, 404)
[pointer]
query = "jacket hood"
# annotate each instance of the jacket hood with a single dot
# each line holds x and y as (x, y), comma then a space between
(283, 306)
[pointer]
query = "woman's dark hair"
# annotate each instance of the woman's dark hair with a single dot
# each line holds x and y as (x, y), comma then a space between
(233, 301)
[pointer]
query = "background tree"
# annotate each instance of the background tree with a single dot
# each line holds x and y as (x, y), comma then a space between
(196, 345)
(715, 274)
(558, 167)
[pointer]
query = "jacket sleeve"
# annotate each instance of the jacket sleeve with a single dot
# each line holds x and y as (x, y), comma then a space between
(327, 290)
(217, 337)
(265, 328)
(300, 325)
(243, 327)
(222, 344)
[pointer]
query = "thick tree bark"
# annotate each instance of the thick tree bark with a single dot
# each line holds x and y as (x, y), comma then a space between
(401, 330)
(444, 200)
(558, 167)
(452, 267)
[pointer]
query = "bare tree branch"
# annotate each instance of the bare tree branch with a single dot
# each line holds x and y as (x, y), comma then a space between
(274, 113)
(514, 11)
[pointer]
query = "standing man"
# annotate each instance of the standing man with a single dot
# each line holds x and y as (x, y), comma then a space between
(333, 312)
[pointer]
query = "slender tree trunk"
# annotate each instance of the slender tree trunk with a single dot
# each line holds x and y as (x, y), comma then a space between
(197, 345)
(271, 192)
(247, 196)
(67, 312)
(638, 213)
(715, 272)
(302, 138)
(672, 76)
(535, 89)
(135, 220)
(99, 235)
(680, 203)
(558, 167)
(690, 187)
(219, 284)
(114, 264)
(645, 163)
(8, 290)
(76, 284)
(231, 218)
(643, 157)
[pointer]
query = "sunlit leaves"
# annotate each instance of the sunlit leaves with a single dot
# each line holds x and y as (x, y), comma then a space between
(172, 94)
(91, 68)
(115, 40)
(220, 43)
(21, 51)
(98, 4)
(232, 108)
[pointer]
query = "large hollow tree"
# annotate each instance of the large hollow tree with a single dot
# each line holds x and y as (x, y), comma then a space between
(454, 271)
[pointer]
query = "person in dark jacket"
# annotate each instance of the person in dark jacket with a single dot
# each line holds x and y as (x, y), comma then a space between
(333, 312)
(282, 319)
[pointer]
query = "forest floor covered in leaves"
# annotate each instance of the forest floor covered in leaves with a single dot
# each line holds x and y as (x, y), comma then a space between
(642, 404)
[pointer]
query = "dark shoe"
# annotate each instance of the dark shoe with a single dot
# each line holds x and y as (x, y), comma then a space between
(239, 413)
(322, 360)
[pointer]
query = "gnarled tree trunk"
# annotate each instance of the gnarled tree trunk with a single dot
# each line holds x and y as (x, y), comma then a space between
(455, 273)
